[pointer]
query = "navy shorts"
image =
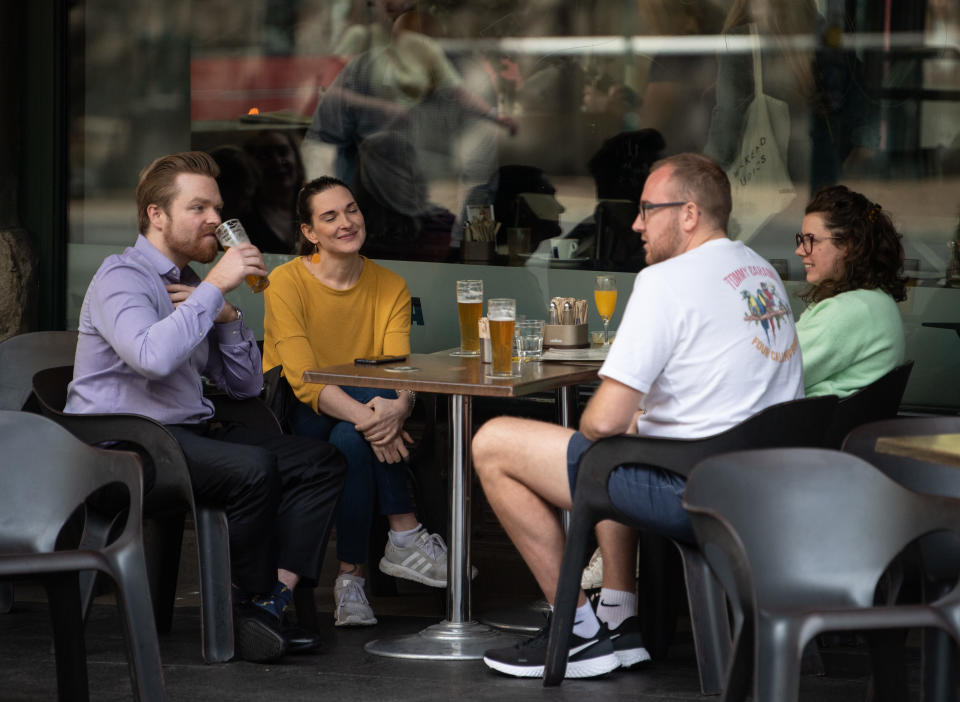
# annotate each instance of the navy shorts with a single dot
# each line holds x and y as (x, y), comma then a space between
(652, 497)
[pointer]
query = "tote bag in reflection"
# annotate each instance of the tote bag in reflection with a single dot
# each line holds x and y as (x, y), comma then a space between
(759, 181)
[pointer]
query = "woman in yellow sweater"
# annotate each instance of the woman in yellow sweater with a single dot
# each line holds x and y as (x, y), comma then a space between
(331, 305)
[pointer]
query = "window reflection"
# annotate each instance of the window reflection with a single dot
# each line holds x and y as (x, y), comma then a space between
(548, 110)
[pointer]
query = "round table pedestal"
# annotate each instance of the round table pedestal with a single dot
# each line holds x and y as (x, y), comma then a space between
(445, 641)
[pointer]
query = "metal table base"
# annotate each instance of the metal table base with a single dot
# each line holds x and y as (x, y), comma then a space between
(458, 637)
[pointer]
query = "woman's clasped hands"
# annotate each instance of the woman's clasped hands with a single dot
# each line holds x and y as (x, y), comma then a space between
(384, 429)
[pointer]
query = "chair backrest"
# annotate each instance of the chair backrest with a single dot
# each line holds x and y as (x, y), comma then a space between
(50, 474)
(817, 527)
(941, 552)
(878, 400)
(794, 423)
(23, 355)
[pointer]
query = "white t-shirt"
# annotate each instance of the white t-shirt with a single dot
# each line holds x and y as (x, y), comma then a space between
(708, 337)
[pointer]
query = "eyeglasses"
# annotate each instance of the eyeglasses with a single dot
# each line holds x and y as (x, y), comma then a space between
(806, 241)
(647, 206)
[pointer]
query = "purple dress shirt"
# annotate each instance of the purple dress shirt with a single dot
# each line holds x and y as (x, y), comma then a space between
(137, 354)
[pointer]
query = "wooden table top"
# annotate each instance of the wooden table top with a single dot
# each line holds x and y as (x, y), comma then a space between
(455, 375)
(935, 448)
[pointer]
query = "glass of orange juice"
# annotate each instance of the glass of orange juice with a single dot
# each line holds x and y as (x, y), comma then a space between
(605, 296)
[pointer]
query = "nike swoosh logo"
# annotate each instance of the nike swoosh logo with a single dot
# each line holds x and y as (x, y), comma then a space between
(604, 604)
(576, 649)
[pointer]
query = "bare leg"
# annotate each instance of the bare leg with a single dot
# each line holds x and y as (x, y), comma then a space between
(618, 546)
(522, 465)
(287, 578)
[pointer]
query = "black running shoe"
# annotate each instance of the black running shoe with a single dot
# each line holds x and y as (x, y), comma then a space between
(586, 658)
(627, 642)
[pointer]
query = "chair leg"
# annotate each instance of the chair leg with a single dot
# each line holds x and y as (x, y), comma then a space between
(575, 556)
(96, 535)
(708, 619)
(939, 654)
(658, 592)
(66, 615)
(163, 539)
(6, 597)
(133, 599)
(776, 668)
(306, 606)
(213, 546)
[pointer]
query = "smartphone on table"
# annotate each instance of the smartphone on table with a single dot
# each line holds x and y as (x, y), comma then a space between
(378, 360)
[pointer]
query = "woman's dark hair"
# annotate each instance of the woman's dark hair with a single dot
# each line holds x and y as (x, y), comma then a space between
(304, 213)
(872, 252)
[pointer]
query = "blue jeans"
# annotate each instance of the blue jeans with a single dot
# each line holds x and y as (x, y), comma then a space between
(651, 496)
(366, 476)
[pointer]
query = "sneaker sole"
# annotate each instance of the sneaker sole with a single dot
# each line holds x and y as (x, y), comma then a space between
(632, 656)
(258, 643)
(355, 620)
(399, 571)
(590, 668)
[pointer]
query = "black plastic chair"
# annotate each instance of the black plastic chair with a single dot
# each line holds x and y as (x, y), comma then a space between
(49, 476)
(939, 553)
(878, 400)
(800, 537)
(169, 501)
(20, 357)
(799, 422)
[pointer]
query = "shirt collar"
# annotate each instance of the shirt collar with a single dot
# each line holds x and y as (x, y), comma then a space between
(165, 268)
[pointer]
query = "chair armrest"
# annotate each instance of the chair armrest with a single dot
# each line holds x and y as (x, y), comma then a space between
(172, 476)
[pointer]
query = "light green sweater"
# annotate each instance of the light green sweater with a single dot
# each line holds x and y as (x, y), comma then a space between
(848, 341)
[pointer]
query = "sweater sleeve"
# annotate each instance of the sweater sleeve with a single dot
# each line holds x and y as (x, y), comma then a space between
(396, 338)
(829, 342)
(285, 315)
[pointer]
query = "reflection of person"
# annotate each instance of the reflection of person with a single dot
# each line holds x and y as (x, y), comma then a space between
(619, 169)
(688, 364)
(272, 220)
(851, 334)
(409, 86)
(259, 186)
(149, 329)
(392, 193)
(828, 116)
(331, 305)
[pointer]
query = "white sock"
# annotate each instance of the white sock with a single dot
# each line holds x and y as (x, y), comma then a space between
(614, 606)
(404, 539)
(585, 624)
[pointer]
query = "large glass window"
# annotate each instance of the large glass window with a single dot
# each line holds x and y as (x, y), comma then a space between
(480, 132)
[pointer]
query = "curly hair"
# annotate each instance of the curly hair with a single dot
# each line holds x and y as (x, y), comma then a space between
(872, 252)
(304, 206)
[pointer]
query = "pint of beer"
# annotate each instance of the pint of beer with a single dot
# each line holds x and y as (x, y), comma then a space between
(469, 308)
(231, 233)
(502, 313)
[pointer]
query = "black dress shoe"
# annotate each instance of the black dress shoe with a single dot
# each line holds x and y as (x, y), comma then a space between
(300, 640)
(257, 634)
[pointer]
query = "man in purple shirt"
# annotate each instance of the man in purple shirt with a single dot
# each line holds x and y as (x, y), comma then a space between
(149, 331)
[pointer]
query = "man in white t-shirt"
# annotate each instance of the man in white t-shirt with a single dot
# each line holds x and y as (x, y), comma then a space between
(707, 339)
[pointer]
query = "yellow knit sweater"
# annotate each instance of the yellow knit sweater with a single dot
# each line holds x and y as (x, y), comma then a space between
(308, 325)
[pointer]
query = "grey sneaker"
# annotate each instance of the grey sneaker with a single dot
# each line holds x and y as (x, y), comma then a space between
(353, 609)
(425, 561)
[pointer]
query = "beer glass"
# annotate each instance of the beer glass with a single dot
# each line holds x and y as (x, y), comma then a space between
(502, 313)
(469, 309)
(231, 233)
(605, 296)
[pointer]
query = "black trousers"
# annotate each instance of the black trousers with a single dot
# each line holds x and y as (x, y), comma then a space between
(280, 495)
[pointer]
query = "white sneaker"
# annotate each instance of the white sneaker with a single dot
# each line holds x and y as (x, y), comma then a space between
(592, 577)
(424, 561)
(353, 609)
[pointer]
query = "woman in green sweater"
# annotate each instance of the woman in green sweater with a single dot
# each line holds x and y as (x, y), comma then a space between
(851, 332)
